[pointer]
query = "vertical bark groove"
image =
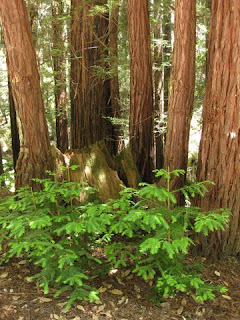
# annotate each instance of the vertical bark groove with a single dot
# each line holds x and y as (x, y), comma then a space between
(141, 83)
(219, 152)
(90, 90)
(35, 153)
(181, 88)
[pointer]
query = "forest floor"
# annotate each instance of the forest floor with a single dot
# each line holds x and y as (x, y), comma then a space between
(124, 296)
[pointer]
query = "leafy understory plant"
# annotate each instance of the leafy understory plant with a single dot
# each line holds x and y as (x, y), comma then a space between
(50, 227)
(54, 230)
(156, 235)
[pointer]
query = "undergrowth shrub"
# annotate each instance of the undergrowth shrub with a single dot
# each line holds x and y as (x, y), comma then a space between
(143, 226)
(52, 228)
(156, 235)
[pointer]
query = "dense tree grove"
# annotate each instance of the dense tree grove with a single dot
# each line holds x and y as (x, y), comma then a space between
(127, 76)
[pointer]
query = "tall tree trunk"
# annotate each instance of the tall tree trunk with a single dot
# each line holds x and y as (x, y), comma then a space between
(167, 52)
(59, 68)
(114, 83)
(90, 91)
(35, 153)
(141, 85)
(167, 49)
(14, 126)
(181, 88)
(207, 23)
(159, 82)
(163, 56)
(219, 152)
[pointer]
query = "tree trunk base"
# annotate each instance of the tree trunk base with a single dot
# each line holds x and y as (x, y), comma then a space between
(95, 168)
(98, 169)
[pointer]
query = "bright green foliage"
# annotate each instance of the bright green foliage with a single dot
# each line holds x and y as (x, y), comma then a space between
(60, 234)
(56, 233)
(156, 235)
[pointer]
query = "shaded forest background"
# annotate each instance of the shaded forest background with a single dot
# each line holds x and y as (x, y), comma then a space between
(119, 143)
(134, 75)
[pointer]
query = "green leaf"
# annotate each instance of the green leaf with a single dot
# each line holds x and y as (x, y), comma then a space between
(147, 272)
(178, 172)
(169, 248)
(162, 172)
(150, 244)
(93, 296)
(40, 222)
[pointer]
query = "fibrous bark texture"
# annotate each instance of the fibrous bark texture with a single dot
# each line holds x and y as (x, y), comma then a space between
(35, 154)
(219, 153)
(181, 88)
(141, 84)
(90, 88)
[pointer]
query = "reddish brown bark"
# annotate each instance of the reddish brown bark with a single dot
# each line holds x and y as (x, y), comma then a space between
(141, 96)
(35, 154)
(90, 90)
(219, 153)
(59, 68)
(181, 88)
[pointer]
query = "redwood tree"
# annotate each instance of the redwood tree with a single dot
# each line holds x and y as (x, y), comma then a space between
(59, 68)
(141, 86)
(167, 48)
(35, 153)
(219, 153)
(163, 55)
(90, 88)
(158, 81)
(181, 88)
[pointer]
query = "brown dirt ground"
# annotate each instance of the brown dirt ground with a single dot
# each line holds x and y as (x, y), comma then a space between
(124, 296)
